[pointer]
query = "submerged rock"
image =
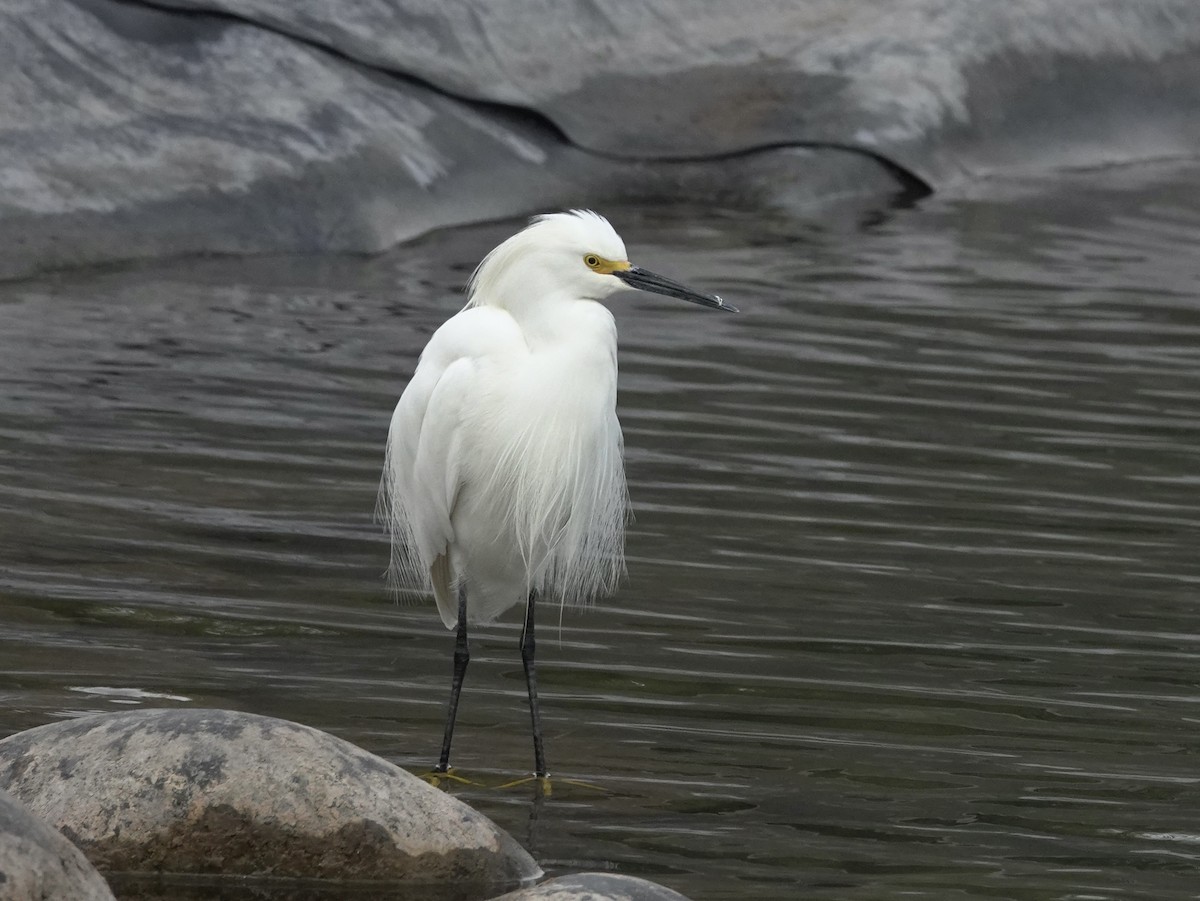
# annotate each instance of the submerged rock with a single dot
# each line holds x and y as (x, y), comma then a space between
(221, 792)
(594, 887)
(37, 862)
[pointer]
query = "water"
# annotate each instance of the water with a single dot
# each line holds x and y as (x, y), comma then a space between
(913, 584)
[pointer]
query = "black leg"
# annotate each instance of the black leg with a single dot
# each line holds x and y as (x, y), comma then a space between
(462, 656)
(528, 647)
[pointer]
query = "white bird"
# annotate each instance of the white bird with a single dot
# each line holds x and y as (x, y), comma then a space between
(504, 479)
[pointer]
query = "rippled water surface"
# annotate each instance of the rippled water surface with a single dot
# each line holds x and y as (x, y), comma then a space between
(913, 583)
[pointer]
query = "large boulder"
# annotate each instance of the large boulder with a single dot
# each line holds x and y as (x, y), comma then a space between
(37, 862)
(134, 130)
(939, 87)
(127, 132)
(215, 791)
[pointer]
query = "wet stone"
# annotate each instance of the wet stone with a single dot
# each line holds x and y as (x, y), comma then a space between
(37, 862)
(221, 792)
(595, 887)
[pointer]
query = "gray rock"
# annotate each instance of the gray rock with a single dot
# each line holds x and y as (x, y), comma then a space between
(594, 887)
(939, 87)
(132, 131)
(214, 791)
(129, 133)
(37, 862)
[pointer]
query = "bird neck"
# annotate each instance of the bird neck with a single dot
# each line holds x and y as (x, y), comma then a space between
(532, 298)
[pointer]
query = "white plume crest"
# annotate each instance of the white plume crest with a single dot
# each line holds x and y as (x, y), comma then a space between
(580, 230)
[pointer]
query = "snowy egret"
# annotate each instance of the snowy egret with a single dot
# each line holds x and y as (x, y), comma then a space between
(504, 480)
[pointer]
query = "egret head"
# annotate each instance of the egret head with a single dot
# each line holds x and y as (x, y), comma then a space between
(576, 254)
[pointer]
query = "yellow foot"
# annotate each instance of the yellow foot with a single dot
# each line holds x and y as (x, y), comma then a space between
(579, 783)
(547, 788)
(543, 783)
(437, 777)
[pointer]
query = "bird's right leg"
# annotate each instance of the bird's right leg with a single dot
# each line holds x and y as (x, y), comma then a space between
(462, 655)
(528, 649)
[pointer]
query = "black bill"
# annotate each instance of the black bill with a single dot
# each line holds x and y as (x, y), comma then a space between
(644, 280)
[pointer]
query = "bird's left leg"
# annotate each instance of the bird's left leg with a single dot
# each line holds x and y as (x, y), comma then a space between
(528, 647)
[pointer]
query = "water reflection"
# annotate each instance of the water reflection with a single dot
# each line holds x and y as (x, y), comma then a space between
(911, 604)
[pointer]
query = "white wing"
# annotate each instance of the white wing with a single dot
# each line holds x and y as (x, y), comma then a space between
(422, 473)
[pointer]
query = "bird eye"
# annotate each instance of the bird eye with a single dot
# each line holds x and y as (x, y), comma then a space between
(592, 261)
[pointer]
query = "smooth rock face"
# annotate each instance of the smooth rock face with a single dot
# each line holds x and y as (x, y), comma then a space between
(214, 791)
(594, 887)
(936, 86)
(132, 131)
(37, 862)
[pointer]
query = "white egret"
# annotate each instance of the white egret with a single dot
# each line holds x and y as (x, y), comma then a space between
(504, 480)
